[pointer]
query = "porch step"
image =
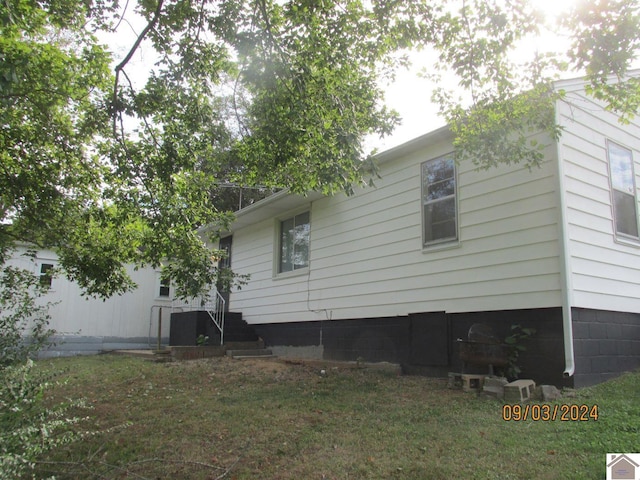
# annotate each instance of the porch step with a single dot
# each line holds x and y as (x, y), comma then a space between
(237, 330)
(251, 353)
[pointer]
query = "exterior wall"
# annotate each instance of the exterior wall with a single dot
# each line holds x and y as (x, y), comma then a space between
(605, 270)
(606, 344)
(88, 325)
(367, 260)
(412, 341)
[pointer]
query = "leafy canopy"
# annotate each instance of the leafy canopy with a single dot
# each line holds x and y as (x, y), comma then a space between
(258, 93)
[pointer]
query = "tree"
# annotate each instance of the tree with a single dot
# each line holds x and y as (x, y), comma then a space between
(509, 97)
(276, 94)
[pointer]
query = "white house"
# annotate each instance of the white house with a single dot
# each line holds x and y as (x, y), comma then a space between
(400, 271)
(89, 325)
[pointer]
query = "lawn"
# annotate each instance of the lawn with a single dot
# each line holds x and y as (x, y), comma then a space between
(272, 419)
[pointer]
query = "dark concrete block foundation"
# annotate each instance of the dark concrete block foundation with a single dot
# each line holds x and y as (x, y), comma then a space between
(426, 342)
(605, 344)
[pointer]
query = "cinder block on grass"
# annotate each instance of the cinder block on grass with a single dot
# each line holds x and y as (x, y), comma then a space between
(518, 391)
(472, 383)
(494, 386)
(468, 382)
(455, 380)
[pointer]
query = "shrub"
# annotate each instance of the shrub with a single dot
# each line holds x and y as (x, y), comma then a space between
(28, 427)
(24, 319)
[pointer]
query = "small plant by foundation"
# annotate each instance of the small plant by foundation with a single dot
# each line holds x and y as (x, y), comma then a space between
(516, 340)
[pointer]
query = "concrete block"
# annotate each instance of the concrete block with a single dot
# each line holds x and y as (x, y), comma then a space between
(597, 331)
(518, 391)
(472, 383)
(494, 386)
(455, 380)
(182, 352)
(536, 394)
(468, 382)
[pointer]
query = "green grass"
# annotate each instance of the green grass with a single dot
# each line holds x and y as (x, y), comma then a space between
(220, 418)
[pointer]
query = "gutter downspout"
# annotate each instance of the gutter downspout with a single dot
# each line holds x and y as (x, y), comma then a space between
(565, 266)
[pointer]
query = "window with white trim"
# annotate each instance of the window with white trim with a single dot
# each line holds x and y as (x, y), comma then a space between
(623, 190)
(165, 288)
(46, 274)
(439, 206)
(294, 243)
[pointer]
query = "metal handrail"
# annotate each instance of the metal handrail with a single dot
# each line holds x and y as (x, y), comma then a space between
(217, 315)
(214, 306)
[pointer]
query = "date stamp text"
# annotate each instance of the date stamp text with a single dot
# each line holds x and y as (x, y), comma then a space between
(549, 413)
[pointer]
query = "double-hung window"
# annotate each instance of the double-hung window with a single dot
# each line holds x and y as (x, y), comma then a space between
(439, 210)
(623, 190)
(294, 243)
(164, 288)
(46, 277)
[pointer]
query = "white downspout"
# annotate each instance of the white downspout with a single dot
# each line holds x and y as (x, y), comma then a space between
(565, 266)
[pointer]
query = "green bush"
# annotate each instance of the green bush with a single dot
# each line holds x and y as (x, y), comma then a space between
(28, 426)
(24, 318)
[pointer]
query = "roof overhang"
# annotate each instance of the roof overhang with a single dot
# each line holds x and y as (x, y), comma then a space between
(434, 136)
(272, 206)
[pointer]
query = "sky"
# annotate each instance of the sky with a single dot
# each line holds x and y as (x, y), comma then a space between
(409, 95)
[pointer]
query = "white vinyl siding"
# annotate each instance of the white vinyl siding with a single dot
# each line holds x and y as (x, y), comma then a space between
(605, 265)
(132, 315)
(368, 259)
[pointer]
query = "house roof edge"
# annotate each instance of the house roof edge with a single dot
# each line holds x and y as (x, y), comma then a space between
(409, 146)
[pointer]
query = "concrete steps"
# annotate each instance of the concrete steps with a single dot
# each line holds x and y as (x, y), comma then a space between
(250, 353)
(236, 350)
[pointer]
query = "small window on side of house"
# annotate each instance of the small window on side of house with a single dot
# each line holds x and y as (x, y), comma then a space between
(46, 277)
(623, 190)
(294, 243)
(165, 288)
(439, 205)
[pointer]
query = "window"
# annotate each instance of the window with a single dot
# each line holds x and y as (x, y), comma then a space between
(46, 274)
(225, 246)
(623, 190)
(439, 211)
(294, 243)
(165, 288)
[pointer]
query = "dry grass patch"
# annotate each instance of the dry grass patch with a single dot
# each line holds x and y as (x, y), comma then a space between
(269, 419)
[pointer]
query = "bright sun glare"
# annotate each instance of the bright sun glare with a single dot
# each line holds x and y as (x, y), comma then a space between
(553, 8)
(410, 95)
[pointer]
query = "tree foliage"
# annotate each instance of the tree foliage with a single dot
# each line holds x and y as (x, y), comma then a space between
(24, 318)
(606, 39)
(507, 97)
(108, 165)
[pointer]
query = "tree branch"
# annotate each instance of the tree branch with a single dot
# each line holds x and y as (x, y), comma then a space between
(119, 68)
(141, 37)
